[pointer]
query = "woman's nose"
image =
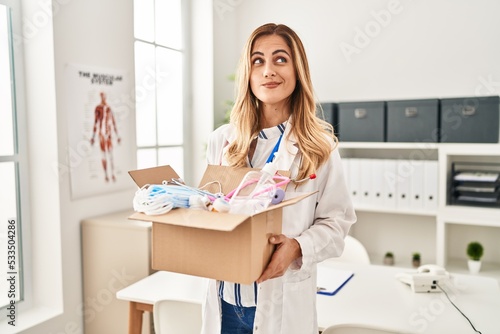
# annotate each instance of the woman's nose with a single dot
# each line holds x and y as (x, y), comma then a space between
(269, 71)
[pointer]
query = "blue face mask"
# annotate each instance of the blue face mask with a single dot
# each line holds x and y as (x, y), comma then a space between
(159, 199)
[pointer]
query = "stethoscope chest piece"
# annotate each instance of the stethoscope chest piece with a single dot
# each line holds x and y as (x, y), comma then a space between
(278, 196)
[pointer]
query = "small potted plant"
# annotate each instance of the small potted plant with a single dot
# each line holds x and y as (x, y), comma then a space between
(389, 259)
(475, 253)
(415, 259)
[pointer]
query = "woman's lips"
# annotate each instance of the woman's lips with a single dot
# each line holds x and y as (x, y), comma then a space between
(271, 84)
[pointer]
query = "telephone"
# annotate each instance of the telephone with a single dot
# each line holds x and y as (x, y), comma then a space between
(426, 278)
(432, 269)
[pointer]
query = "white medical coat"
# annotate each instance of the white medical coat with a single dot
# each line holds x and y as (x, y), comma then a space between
(319, 223)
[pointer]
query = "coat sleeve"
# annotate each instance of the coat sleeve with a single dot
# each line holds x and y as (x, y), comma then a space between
(333, 216)
(215, 145)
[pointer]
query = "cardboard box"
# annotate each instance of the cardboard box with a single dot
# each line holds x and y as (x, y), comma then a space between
(221, 246)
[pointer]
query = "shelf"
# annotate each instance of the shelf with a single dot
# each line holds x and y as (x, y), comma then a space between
(440, 235)
(415, 212)
(467, 149)
(469, 215)
(449, 148)
(388, 146)
(459, 266)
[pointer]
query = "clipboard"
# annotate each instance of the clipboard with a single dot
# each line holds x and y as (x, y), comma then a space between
(331, 280)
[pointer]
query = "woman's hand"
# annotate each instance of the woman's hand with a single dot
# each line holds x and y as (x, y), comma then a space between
(286, 252)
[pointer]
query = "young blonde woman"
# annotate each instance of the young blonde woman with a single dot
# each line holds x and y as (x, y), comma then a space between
(275, 111)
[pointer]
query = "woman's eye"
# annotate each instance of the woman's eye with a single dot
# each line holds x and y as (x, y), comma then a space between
(257, 61)
(281, 60)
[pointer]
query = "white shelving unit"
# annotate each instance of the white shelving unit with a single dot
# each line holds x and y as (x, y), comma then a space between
(441, 236)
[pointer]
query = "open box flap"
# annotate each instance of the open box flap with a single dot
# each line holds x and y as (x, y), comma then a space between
(208, 220)
(154, 175)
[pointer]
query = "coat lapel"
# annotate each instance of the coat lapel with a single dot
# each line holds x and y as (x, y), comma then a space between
(288, 149)
(229, 137)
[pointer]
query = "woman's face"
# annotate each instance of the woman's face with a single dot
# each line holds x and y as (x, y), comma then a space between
(272, 75)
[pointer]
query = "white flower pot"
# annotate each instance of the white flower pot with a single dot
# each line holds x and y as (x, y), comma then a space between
(474, 266)
(388, 260)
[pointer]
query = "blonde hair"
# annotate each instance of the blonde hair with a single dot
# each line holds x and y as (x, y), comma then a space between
(312, 133)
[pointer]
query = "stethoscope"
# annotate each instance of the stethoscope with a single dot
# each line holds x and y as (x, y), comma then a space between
(278, 195)
(159, 199)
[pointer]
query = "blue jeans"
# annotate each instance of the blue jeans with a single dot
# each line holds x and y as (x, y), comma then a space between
(237, 320)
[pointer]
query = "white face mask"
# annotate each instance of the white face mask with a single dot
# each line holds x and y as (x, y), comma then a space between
(160, 199)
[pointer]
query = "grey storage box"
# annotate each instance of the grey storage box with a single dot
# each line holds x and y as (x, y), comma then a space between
(413, 121)
(362, 121)
(470, 120)
(330, 114)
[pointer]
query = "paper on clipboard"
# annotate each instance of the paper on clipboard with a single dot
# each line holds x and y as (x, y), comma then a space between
(331, 280)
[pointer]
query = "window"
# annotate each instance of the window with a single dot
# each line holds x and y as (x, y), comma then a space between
(159, 76)
(12, 159)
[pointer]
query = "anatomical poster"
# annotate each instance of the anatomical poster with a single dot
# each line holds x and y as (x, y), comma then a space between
(100, 106)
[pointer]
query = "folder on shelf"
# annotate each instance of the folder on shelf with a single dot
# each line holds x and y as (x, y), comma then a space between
(403, 184)
(365, 182)
(476, 188)
(431, 185)
(332, 280)
(417, 184)
(354, 183)
(389, 183)
(377, 182)
(476, 176)
(478, 199)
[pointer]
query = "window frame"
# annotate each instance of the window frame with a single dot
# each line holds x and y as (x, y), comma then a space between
(20, 157)
(184, 146)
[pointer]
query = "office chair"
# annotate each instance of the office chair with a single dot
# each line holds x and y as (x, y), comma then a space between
(174, 317)
(359, 329)
(354, 252)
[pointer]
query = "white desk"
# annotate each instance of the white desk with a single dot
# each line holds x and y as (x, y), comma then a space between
(372, 297)
(375, 297)
(161, 285)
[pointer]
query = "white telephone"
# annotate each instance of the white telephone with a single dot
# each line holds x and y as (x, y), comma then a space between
(426, 278)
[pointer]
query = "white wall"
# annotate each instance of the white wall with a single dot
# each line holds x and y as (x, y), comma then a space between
(393, 49)
(88, 32)
(202, 85)
(226, 52)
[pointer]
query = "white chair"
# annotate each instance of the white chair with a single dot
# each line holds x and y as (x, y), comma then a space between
(354, 252)
(177, 317)
(359, 329)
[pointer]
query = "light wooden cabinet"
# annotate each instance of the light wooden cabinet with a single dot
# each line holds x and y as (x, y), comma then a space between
(116, 253)
(441, 234)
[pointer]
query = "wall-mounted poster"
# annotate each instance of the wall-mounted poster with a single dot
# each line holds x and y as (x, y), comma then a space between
(99, 130)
